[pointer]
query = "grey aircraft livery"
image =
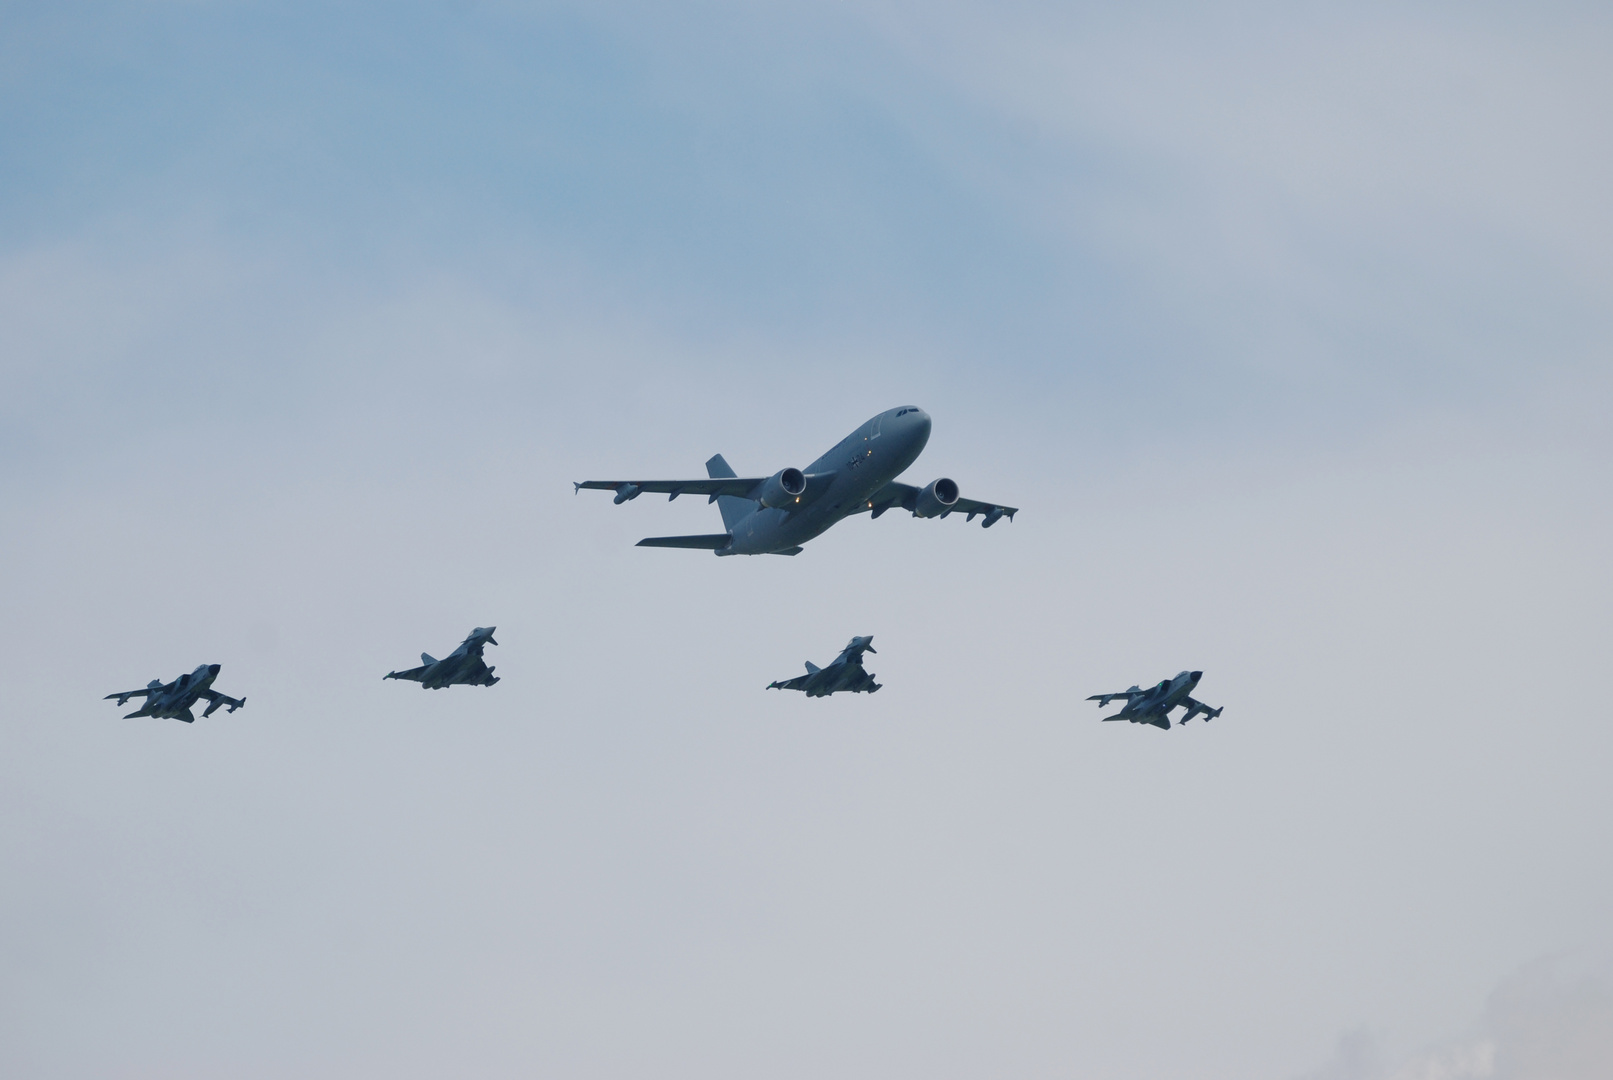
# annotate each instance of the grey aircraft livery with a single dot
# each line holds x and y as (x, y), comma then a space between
(172, 701)
(1154, 705)
(775, 515)
(462, 667)
(845, 672)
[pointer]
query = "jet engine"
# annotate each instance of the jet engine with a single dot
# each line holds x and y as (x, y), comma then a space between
(782, 489)
(936, 499)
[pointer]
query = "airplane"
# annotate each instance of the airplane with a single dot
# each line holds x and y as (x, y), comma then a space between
(462, 667)
(172, 701)
(1153, 706)
(775, 515)
(845, 672)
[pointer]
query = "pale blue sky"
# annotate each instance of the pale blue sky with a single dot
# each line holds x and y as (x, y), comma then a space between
(1288, 329)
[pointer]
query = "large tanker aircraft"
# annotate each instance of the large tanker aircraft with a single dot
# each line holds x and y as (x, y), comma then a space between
(775, 515)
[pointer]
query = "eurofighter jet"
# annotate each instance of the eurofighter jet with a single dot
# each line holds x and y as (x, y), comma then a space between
(845, 672)
(462, 667)
(775, 515)
(1154, 705)
(172, 701)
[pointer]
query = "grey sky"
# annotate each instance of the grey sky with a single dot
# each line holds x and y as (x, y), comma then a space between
(1287, 329)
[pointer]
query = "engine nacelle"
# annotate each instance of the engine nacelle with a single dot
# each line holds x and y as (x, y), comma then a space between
(936, 499)
(783, 489)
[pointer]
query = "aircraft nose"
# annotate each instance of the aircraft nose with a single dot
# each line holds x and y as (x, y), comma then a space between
(213, 669)
(1196, 675)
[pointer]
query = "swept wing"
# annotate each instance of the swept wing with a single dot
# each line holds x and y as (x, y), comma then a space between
(124, 695)
(215, 699)
(896, 494)
(743, 487)
(1198, 708)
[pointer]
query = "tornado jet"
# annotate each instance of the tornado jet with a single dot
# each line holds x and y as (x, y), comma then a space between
(844, 672)
(462, 667)
(173, 701)
(1154, 705)
(775, 515)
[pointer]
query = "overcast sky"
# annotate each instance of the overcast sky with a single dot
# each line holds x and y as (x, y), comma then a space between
(1288, 327)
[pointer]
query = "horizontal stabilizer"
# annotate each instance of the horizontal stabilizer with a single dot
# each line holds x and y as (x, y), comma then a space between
(706, 542)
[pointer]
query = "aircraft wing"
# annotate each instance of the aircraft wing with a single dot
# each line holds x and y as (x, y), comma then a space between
(744, 487)
(413, 674)
(125, 695)
(1198, 708)
(797, 683)
(1124, 695)
(740, 486)
(906, 496)
(215, 699)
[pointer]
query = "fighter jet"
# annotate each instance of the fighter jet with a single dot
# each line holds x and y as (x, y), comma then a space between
(172, 701)
(462, 667)
(845, 672)
(775, 515)
(1154, 705)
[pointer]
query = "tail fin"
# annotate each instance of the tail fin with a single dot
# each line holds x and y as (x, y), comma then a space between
(427, 658)
(734, 509)
(812, 669)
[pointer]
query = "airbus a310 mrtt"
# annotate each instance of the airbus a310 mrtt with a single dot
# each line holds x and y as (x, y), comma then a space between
(172, 701)
(1154, 705)
(775, 515)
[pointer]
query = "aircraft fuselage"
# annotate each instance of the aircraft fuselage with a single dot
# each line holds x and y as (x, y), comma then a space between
(173, 701)
(1154, 707)
(863, 463)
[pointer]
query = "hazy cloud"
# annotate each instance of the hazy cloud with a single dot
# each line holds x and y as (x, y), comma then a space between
(1285, 329)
